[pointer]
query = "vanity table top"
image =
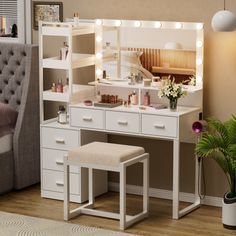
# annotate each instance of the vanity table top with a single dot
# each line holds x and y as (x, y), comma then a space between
(181, 110)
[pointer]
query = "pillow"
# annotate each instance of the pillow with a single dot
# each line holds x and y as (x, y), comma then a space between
(8, 115)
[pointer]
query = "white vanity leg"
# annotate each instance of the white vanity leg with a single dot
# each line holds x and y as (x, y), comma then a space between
(146, 185)
(91, 186)
(176, 160)
(123, 197)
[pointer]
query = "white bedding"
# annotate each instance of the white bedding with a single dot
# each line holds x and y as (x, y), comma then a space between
(6, 143)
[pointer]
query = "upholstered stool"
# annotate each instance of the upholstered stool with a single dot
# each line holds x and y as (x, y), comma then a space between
(109, 157)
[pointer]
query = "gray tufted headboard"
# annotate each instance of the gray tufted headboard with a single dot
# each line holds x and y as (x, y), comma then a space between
(14, 68)
(19, 80)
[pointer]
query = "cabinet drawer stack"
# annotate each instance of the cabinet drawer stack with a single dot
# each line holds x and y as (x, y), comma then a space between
(55, 146)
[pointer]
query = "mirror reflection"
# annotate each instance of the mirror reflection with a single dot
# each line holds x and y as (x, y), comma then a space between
(148, 53)
(8, 27)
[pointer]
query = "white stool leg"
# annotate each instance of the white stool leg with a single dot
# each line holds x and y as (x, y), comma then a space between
(146, 185)
(66, 190)
(122, 197)
(91, 186)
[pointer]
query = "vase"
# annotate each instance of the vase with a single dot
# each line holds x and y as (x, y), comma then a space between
(173, 104)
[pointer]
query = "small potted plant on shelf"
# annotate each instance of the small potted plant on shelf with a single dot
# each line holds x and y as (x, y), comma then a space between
(219, 143)
(172, 91)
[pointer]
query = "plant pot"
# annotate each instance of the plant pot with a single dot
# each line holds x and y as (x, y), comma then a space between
(229, 212)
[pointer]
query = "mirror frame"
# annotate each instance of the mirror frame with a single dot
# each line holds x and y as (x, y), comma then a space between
(109, 24)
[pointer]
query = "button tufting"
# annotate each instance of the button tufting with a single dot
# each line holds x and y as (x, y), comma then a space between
(6, 101)
(18, 102)
(6, 81)
(24, 54)
(11, 53)
(12, 72)
(5, 62)
(18, 82)
(12, 92)
(18, 63)
(23, 73)
(0, 91)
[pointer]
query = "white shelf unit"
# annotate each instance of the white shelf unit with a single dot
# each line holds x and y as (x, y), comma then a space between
(73, 61)
(57, 139)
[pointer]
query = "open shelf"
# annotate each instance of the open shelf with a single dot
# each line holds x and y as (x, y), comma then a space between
(66, 29)
(78, 91)
(78, 60)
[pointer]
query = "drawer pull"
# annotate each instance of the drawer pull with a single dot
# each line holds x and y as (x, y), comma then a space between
(122, 122)
(87, 118)
(59, 183)
(59, 162)
(159, 126)
(60, 140)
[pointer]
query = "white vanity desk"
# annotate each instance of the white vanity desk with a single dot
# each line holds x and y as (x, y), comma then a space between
(57, 140)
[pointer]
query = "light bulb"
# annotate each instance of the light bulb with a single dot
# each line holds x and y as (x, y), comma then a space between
(199, 61)
(158, 24)
(99, 55)
(98, 72)
(199, 44)
(118, 23)
(178, 25)
(199, 26)
(98, 22)
(99, 39)
(137, 24)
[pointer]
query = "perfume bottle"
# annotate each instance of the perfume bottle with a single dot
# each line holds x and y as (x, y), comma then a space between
(76, 19)
(62, 115)
(53, 89)
(64, 51)
(146, 100)
(59, 86)
(134, 98)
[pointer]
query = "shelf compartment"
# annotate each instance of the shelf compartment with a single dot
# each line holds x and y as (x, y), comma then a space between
(172, 70)
(78, 60)
(66, 29)
(79, 92)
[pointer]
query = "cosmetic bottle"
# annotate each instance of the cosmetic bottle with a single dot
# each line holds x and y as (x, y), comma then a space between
(134, 98)
(59, 87)
(146, 100)
(62, 115)
(53, 89)
(66, 86)
(76, 19)
(64, 51)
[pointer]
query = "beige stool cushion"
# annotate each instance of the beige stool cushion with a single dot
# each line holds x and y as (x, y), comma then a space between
(108, 154)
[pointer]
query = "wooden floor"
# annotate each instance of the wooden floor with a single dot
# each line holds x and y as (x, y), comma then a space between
(204, 221)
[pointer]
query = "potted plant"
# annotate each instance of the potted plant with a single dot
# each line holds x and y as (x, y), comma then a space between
(219, 143)
(172, 91)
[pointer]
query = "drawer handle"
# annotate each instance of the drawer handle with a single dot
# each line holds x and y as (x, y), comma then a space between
(87, 118)
(60, 140)
(59, 162)
(159, 126)
(59, 183)
(122, 122)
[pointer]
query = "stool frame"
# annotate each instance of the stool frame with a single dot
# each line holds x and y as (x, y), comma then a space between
(125, 220)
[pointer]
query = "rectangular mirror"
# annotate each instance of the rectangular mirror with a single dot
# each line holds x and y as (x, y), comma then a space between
(152, 48)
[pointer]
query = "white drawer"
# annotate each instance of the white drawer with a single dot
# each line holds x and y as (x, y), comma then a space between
(88, 118)
(53, 160)
(62, 139)
(54, 181)
(159, 125)
(122, 121)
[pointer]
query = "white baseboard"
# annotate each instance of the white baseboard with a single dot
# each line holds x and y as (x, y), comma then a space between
(166, 194)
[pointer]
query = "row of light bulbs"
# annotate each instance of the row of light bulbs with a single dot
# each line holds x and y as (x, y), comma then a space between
(157, 24)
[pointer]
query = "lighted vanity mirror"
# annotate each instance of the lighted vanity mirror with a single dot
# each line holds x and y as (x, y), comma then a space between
(150, 48)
